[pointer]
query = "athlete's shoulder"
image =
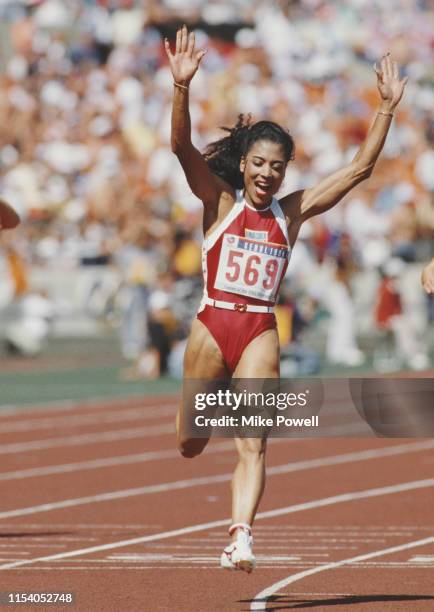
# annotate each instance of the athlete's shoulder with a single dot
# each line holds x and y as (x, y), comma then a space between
(214, 216)
(229, 197)
(291, 203)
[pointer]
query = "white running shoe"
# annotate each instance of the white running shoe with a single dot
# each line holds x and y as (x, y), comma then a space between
(239, 555)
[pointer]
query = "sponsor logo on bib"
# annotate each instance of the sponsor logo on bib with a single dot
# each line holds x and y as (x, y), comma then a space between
(256, 235)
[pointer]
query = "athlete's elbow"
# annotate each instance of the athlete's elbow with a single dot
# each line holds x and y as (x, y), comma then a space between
(361, 172)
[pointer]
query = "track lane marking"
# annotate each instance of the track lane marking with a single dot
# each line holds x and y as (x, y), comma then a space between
(260, 600)
(88, 438)
(220, 478)
(119, 460)
(126, 434)
(92, 464)
(130, 459)
(98, 403)
(318, 503)
(114, 416)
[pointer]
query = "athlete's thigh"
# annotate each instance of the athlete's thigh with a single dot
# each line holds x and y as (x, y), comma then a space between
(261, 357)
(203, 357)
(259, 361)
(203, 361)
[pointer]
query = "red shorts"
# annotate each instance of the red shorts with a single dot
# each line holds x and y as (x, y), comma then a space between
(233, 330)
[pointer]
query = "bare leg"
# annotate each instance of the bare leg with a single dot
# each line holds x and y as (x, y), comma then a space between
(260, 359)
(248, 481)
(202, 360)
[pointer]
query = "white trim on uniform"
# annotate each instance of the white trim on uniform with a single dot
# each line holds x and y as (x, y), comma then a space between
(238, 206)
(258, 210)
(277, 211)
(212, 238)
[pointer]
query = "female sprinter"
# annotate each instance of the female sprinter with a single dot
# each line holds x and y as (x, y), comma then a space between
(235, 333)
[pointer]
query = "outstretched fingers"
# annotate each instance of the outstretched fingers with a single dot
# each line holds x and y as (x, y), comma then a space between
(167, 48)
(184, 39)
(178, 41)
(389, 65)
(378, 73)
(191, 43)
(386, 66)
(199, 55)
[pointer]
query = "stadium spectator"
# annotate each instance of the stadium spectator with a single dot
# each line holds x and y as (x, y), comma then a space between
(85, 105)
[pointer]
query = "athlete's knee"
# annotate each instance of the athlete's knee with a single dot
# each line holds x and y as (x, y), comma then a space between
(251, 449)
(190, 448)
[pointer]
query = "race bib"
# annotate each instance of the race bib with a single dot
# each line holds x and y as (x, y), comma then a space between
(250, 267)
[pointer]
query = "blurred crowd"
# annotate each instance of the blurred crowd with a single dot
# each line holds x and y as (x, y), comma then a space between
(85, 104)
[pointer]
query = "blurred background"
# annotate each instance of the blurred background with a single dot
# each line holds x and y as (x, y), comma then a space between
(99, 284)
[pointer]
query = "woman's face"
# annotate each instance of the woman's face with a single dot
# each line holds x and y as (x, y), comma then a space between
(264, 170)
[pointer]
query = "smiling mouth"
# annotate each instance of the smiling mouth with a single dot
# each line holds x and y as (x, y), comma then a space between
(263, 188)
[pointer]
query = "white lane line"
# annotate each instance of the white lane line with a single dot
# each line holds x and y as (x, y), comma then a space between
(318, 503)
(115, 416)
(333, 531)
(43, 539)
(260, 600)
(389, 451)
(148, 456)
(222, 542)
(421, 559)
(89, 438)
(154, 430)
(93, 464)
(118, 568)
(138, 567)
(28, 545)
(264, 561)
(122, 460)
(91, 526)
(408, 486)
(220, 478)
(97, 403)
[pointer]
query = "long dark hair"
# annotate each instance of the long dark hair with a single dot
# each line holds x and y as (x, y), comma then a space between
(223, 156)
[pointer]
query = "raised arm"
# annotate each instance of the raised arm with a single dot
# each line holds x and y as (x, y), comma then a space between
(8, 217)
(306, 203)
(184, 64)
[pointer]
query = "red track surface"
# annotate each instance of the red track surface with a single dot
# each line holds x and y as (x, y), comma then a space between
(75, 479)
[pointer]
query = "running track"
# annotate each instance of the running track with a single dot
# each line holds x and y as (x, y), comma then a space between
(95, 500)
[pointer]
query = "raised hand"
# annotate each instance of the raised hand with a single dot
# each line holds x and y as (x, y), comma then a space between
(428, 277)
(185, 61)
(390, 86)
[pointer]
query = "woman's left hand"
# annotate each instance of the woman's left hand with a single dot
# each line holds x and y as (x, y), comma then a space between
(390, 86)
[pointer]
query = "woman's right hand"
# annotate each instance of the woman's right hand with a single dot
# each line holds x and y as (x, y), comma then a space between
(428, 277)
(185, 61)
